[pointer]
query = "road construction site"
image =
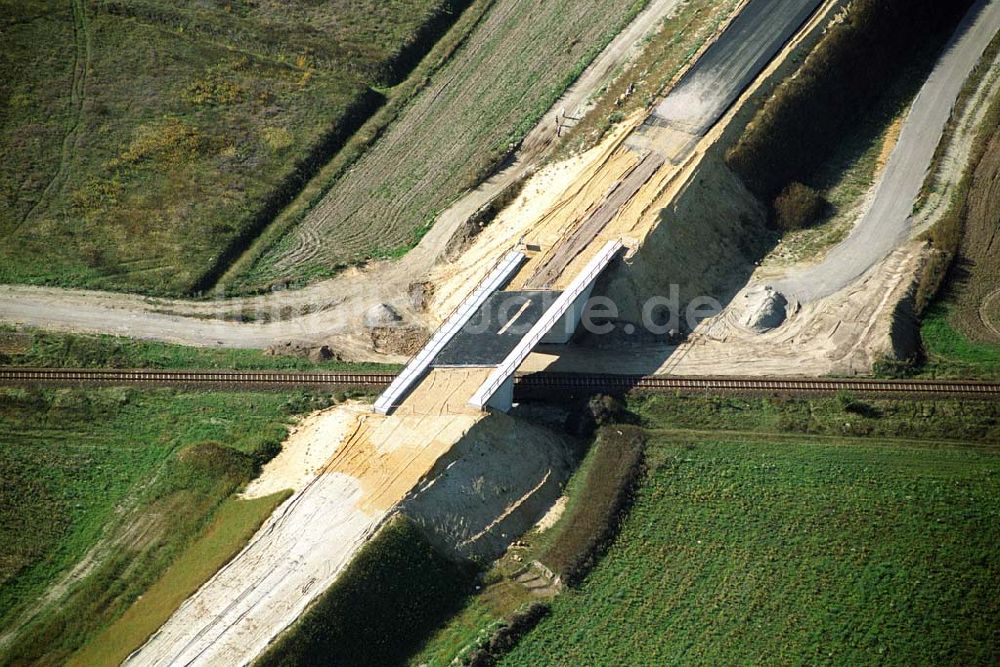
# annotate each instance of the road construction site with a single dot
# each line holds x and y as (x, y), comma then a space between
(652, 205)
(618, 190)
(437, 408)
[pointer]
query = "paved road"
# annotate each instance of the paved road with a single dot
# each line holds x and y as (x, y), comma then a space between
(731, 64)
(887, 222)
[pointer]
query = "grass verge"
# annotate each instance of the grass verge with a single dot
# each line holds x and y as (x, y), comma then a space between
(232, 526)
(42, 349)
(115, 483)
(950, 354)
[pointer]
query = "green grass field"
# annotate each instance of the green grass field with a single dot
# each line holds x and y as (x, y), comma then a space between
(145, 142)
(42, 349)
(779, 531)
(742, 551)
(126, 477)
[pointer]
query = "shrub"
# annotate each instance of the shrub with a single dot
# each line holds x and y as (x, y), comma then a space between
(607, 491)
(605, 409)
(797, 207)
(599, 411)
(889, 367)
(264, 453)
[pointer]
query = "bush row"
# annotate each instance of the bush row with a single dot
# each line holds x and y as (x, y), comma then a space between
(596, 514)
(861, 53)
(396, 590)
(507, 635)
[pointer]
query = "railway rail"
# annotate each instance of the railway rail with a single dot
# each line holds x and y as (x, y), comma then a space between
(531, 385)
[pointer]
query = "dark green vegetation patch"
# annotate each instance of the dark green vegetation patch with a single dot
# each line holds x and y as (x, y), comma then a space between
(145, 142)
(393, 593)
(126, 476)
(611, 476)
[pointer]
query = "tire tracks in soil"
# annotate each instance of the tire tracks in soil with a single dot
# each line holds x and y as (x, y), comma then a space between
(78, 90)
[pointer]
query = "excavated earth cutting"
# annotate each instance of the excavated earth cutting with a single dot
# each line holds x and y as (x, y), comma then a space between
(473, 482)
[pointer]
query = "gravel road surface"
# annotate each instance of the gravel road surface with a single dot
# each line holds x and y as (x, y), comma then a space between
(887, 222)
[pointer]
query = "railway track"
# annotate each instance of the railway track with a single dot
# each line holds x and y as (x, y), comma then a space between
(533, 385)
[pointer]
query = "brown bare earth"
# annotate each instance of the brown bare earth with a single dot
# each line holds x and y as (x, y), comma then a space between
(977, 307)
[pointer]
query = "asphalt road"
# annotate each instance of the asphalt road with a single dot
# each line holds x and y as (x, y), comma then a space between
(731, 64)
(887, 222)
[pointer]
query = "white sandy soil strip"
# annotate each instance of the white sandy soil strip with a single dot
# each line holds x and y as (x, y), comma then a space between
(310, 538)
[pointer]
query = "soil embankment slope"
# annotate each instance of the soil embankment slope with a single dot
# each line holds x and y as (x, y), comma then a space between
(472, 481)
(887, 222)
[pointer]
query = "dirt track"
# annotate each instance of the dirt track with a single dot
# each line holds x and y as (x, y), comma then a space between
(336, 306)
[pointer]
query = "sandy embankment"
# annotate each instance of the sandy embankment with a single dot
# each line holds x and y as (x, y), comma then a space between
(473, 481)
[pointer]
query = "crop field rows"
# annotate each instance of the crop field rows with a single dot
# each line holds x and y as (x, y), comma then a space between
(177, 129)
(511, 69)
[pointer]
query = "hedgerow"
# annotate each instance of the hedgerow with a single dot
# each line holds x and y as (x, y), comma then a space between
(596, 514)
